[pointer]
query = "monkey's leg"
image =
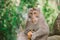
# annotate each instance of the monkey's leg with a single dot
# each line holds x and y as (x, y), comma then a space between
(22, 36)
(43, 37)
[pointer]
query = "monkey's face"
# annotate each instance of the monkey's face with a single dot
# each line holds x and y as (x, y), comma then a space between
(33, 16)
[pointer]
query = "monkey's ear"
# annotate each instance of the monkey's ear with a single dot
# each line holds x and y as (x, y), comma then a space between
(38, 9)
(30, 9)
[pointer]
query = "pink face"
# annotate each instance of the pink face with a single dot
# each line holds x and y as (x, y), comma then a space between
(33, 16)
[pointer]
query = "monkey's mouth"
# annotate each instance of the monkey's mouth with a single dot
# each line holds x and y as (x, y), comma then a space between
(34, 22)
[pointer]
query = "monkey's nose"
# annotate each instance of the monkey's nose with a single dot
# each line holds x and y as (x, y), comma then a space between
(33, 20)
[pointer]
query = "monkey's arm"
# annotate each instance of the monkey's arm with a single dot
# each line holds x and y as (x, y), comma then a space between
(39, 33)
(27, 28)
(26, 31)
(43, 30)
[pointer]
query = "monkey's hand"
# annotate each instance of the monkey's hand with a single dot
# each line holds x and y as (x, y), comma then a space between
(29, 34)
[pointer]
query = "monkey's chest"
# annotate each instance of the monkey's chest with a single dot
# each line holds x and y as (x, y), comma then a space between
(33, 28)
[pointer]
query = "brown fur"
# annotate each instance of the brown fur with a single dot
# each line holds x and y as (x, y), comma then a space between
(40, 30)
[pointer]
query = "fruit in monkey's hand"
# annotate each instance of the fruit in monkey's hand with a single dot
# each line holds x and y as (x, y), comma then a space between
(29, 34)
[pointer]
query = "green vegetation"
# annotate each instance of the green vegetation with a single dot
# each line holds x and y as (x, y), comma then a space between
(49, 12)
(9, 20)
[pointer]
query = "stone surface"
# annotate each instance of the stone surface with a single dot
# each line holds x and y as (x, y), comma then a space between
(56, 27)
(55, 37)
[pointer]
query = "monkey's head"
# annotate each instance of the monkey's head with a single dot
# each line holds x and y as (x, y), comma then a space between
(33, 15)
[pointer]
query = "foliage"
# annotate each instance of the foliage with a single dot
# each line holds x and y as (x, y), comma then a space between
(59, 7)
(9, 20)
(49, 12)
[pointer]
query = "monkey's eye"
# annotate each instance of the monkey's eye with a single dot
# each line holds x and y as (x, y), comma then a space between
(29, 16)
(35, 13)
(30, 13)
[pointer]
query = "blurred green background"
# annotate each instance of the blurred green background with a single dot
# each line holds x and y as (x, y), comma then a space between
(13, 15)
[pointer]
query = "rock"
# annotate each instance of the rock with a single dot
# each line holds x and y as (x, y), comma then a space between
(55, 37)
(56, 27)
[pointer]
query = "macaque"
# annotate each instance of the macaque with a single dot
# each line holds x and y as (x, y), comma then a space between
(36, 26)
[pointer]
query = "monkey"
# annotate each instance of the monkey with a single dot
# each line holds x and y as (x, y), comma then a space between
(36, 26)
